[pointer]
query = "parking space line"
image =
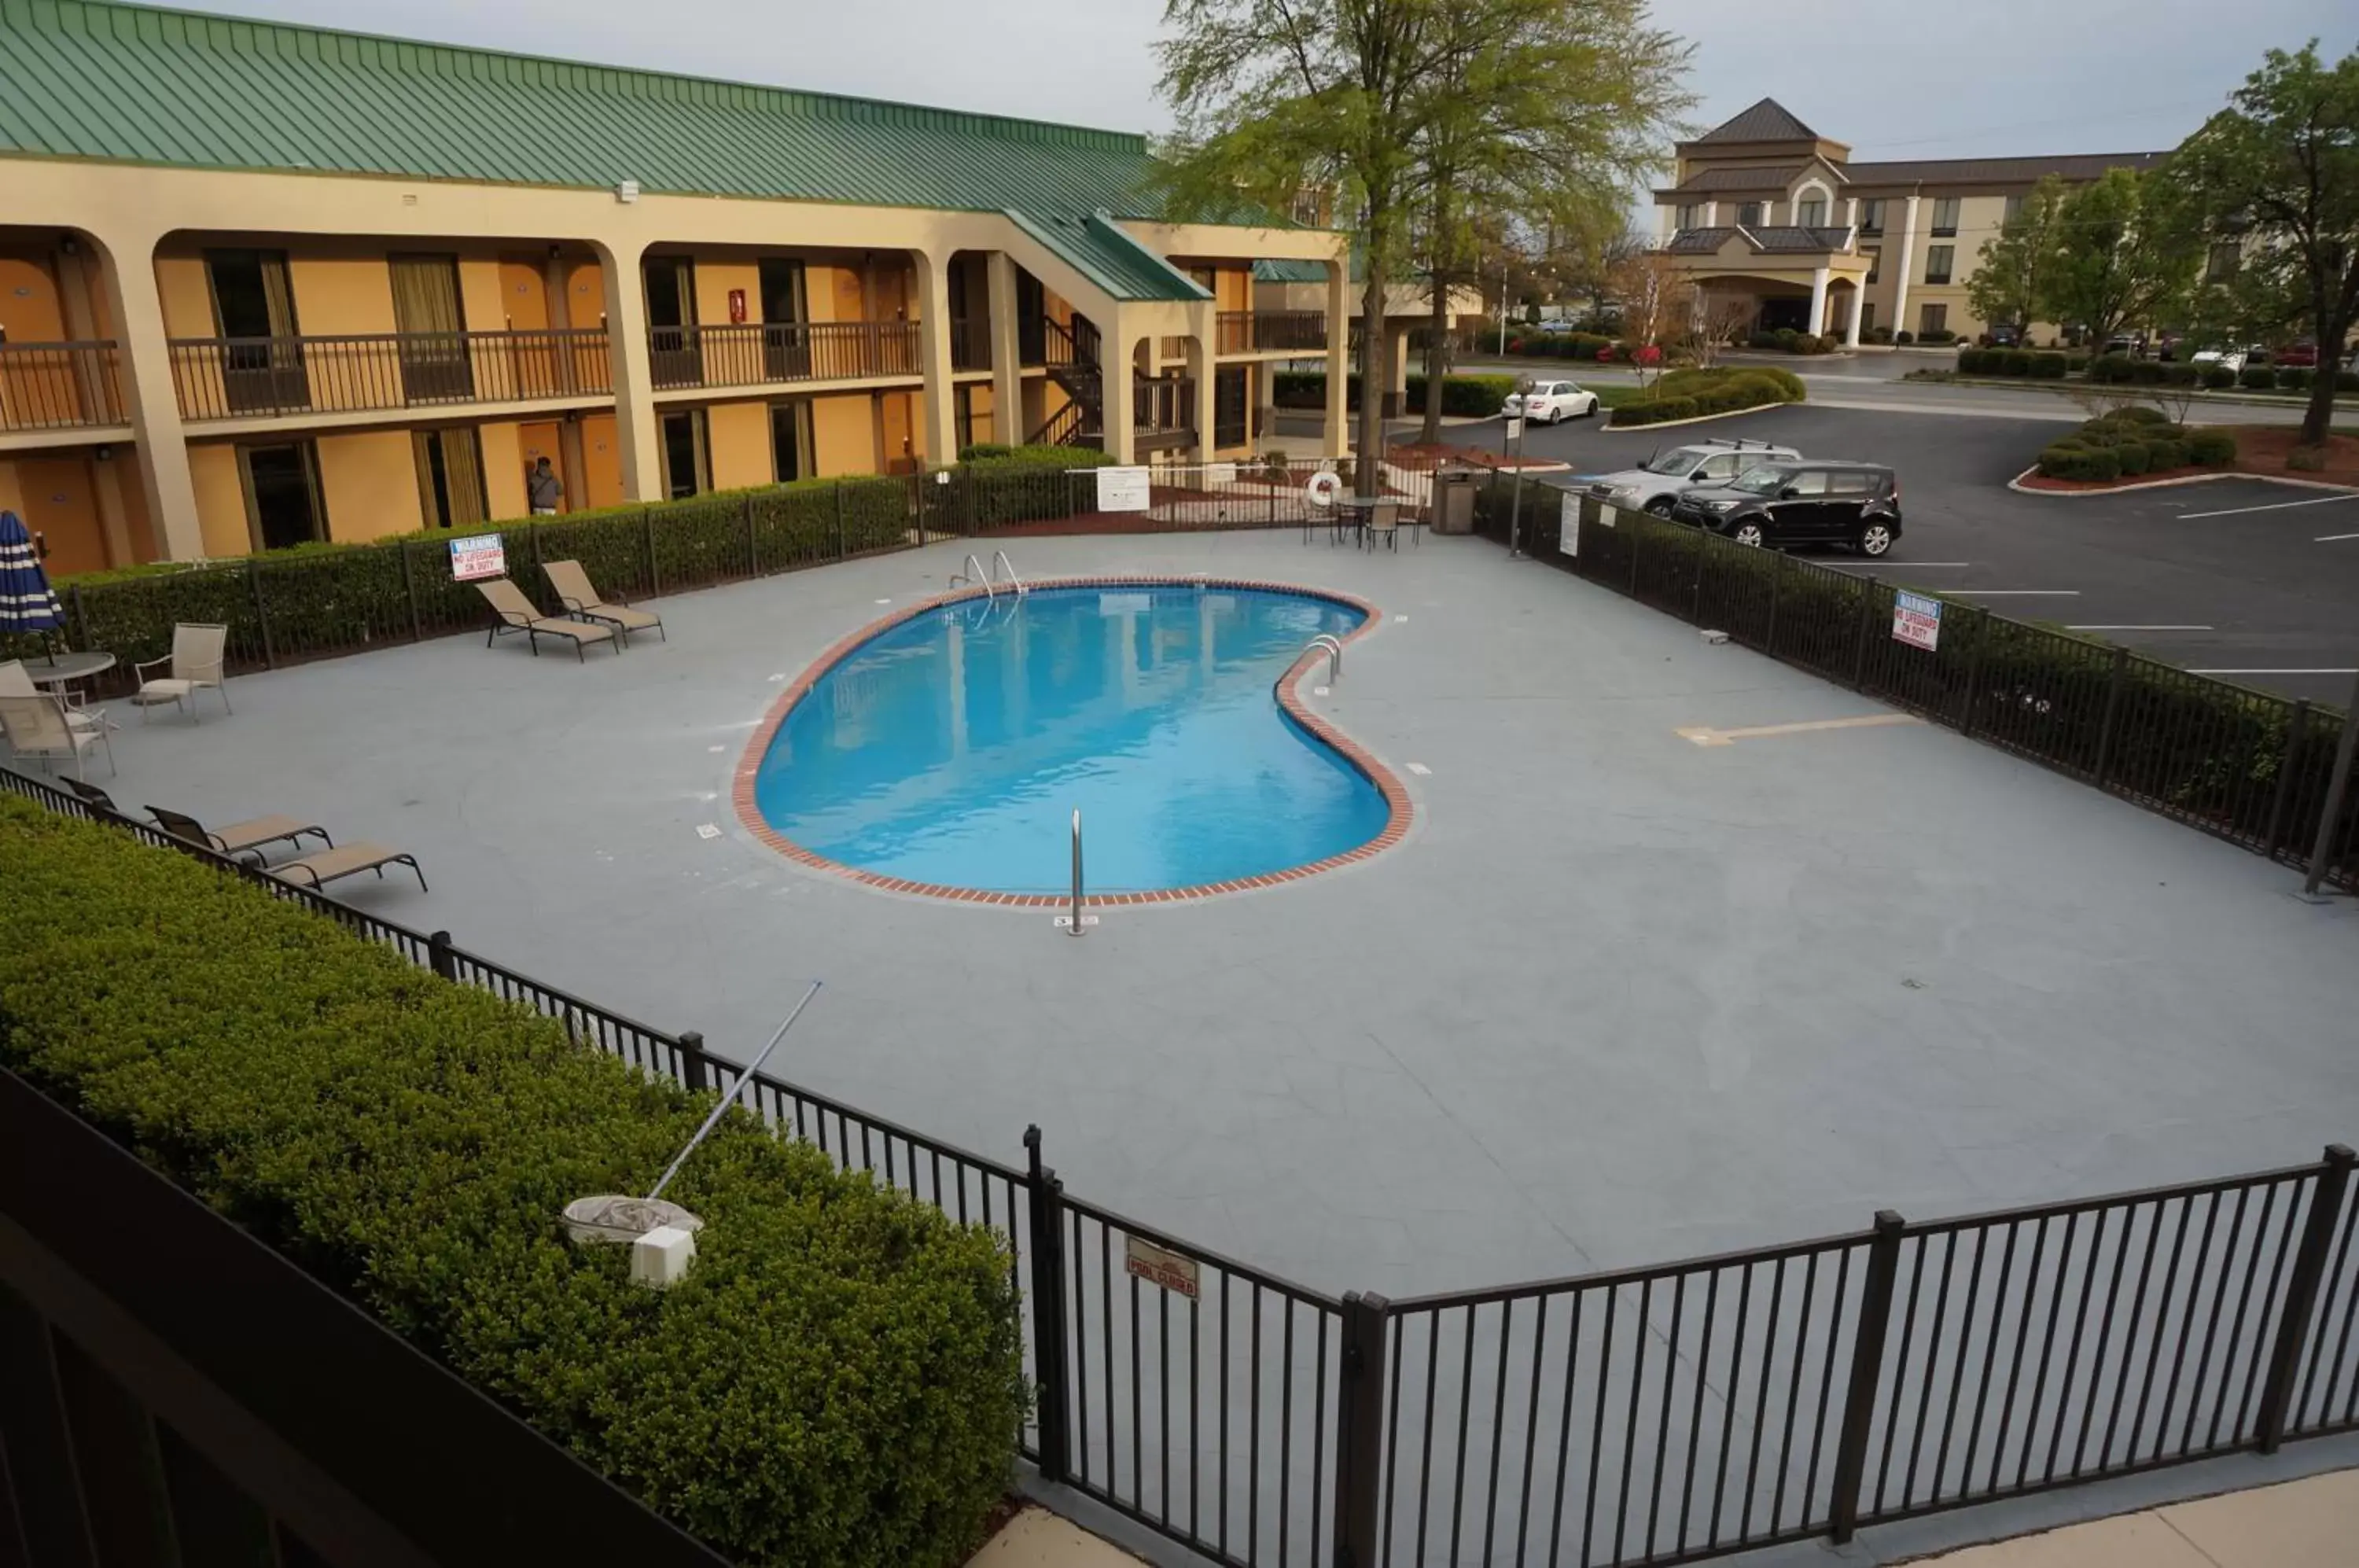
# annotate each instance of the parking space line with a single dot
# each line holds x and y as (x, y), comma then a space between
(2104, 628)
(2273, 673)
(2329, 539)
(2272, 506)
(2015, 592)
(1907, 565)
(1704, 734)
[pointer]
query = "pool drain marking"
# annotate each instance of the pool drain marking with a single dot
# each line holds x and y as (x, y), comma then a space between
(706, 830)
(716, 748)
(1704, 734)
(1420, 769)
(1319, 691)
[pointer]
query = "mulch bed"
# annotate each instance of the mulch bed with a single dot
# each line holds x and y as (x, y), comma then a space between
(1420, 456)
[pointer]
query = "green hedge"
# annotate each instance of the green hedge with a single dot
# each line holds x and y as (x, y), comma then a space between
(1691, 394)
(2070, 460)
(2258, 377)
(2134, 441)
(1477, 397)
(837, 1381)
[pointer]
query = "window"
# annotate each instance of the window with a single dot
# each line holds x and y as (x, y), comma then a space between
(1945, 215)
(684, 454)
(1938, 261)
(282, 494)
(253, 301)
(1749, 215)
(793, 451)
(1871, 216)
(1812, 214)
(1721, 469)
(1690, 216)
(1229, 426)
(1867, 314)
(1932, 318)
(450, 478)
(1855, 481)
(432, 323)
(2221, 265)
(2014, 208)
(1875, 265)
(1809, 482)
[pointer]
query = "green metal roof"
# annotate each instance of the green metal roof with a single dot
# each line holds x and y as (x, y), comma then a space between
(133, 84)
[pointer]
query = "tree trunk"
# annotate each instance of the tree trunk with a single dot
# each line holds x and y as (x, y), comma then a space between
(2318, 419)
(1373, 347)
(1436, 359)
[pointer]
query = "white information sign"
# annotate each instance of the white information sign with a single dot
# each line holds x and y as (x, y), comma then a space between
(1605, 515)
(1122, 489)
(1515, 429)
(1917, 621)
(481, 556)
(1568, 525)
(1219, 473)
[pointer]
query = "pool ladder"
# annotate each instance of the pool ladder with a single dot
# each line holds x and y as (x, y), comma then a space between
(1333, 647)
(976, 576)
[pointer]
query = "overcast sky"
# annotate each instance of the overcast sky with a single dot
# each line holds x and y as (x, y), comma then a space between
(2012, 77)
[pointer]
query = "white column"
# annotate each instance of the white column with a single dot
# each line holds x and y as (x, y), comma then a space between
(1712, 215)
(1339, 356)
(1900, 268)
(1850, 318)
(150, 394)
(1117, 367)
(1203, 324)
(934, 338)
(1007, 426)
(1818, 300)
(636, 433)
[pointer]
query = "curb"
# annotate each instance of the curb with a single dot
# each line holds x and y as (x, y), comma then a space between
(2020, 488)
(2066, 388)
(1699, 419)
(1400, 811)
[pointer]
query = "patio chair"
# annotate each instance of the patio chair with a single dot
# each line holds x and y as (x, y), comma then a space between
(517, 614)
(238, 838)
(1383, 523)
(327, 865)
(36, 727)
(580, 598)
(15, 680)
(195, 661)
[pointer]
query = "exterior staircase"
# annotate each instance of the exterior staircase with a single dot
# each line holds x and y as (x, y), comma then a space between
(1072, 361)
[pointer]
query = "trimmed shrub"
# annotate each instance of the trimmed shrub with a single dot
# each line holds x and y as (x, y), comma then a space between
(2218, 375)
(2013, 362)
(2166, 453)
(2048, 366)
(2211, 447)
(1477, 396)
(2075, 362)
(837, 1382)
(2136, 414)
(2110, 367)
(2134, 458)
(1654, 411)
(2066, 459)
(2149, 371)
(2296, 378)
(1877, 334)
(2178, 373)
(1974, 361)
(2259, 377)
(1904, 338)
(2346, 381)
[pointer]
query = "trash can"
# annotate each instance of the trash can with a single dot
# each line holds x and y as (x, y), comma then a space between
(1453, 501)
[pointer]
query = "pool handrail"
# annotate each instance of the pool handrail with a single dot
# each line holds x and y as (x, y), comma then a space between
(1334, 647)
(998, 559)
(974, 574)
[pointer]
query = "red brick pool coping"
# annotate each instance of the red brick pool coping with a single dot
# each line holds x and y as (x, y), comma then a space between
(1396, 800)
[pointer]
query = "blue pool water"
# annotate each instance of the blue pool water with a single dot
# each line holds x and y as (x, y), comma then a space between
(954, 749)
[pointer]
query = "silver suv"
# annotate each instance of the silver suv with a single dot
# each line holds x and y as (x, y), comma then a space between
(1654, 486)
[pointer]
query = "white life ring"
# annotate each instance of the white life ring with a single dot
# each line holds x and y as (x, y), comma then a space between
(1324, 488)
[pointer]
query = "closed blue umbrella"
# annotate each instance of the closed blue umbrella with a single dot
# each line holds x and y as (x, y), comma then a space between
(27, 602)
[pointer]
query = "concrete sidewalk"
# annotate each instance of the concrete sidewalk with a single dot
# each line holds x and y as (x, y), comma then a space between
(2312, 1523)
(1038, 1539)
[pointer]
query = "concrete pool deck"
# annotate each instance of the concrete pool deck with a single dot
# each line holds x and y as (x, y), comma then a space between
(1618, 997)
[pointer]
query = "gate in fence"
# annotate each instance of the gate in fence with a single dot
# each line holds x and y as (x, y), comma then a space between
(1655, 1415)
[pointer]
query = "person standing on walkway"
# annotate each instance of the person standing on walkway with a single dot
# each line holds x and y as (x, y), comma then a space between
(544, 489)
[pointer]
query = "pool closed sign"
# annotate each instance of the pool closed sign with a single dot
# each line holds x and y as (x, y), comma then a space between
(1917, 621)
(1145, 1260)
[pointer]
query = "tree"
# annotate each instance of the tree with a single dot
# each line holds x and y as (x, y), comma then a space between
(2015, 263)
(1366, 96)
(1658, 307)
(1719, 318)
(2278, 171)
(2127, 253)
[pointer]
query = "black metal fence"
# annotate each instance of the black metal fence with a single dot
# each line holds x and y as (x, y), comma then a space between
(756, 354)
(1653, 1415)
(222, 379)
(60, 385)
(2248, 765)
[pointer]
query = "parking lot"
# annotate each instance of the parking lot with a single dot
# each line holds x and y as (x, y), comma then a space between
(2252, 582)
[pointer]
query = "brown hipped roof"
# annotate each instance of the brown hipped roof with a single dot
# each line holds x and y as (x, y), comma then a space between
(1707, 180)
(1767, 121)
(1996, 170)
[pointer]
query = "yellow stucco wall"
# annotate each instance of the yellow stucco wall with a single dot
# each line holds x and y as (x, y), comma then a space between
(715, 280)
(844, 430)
(585, 293)
(221, 499)
(738, 444)
(602, 457)
(369, 482)
(483, 303)
(336, 294)
(187, 298)
(502, 454)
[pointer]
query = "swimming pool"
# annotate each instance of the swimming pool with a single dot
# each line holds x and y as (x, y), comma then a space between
(950, 749)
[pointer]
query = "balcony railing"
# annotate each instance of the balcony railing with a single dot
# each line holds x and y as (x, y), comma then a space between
(969, 344)
(1259, 332)
(227, 378)
(1163, 410)
(760, 353)
(59, 386)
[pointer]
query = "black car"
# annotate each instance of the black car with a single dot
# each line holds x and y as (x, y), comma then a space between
(1782, 504)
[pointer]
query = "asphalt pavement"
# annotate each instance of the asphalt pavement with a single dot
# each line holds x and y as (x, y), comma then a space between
(2252, 581)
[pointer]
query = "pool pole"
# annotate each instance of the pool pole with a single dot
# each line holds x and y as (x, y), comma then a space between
(1076, 927)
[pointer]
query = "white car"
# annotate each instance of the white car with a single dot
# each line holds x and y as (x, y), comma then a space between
(2229, 358)
(1549, 401)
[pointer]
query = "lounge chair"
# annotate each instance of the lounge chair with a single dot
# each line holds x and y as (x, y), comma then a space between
(327, 865)
(15, 680)
(238, 838)
(36, 727)
(195, 662)
(517, 614)
(575, 591)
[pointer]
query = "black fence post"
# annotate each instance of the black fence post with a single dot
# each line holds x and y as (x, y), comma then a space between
(1777, 581)
(1360, 1430)
(839, 519)
(1048, 1215)
(81, 620)
(261, 610)
(1695, 610)
(752, 546)
(1867, 1371)
(648, 533)
(1966, 703)
(409, 591)
(439, 957)
(2302, 1297)
(1637, 532)
(2113, 713)
(694, 1070)
(1859, 642)
(2289, 763)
